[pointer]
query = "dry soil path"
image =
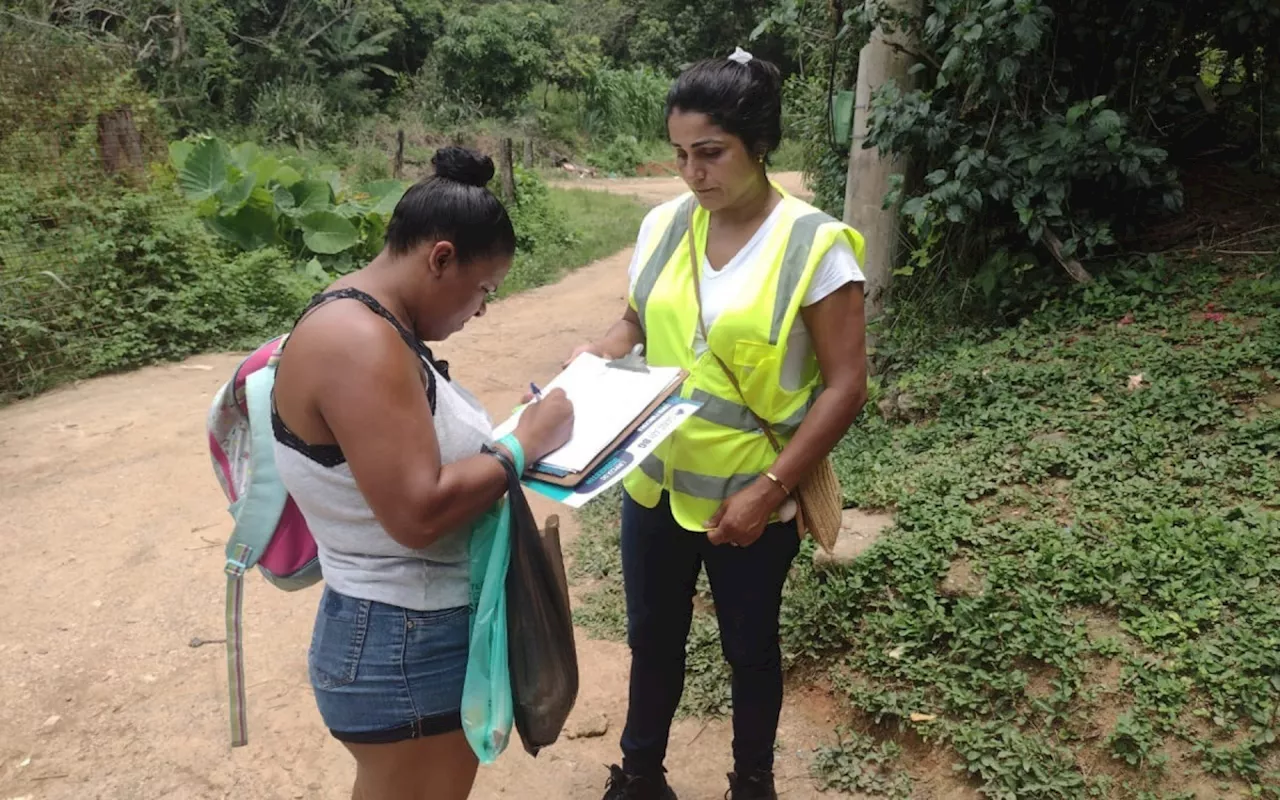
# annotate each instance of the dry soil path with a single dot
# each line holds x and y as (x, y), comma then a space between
(113, 527)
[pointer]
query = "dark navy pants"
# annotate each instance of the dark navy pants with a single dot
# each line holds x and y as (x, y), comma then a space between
(660, 566)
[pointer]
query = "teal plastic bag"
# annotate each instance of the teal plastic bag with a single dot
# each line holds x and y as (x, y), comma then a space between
(487, 710)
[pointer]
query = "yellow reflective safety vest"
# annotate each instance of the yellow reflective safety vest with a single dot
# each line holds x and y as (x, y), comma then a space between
(722, 450)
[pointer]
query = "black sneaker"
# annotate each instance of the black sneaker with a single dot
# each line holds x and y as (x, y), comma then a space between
(622, 786)
(757, 786)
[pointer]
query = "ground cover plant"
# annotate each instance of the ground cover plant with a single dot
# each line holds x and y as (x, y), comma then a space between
(1081, 594)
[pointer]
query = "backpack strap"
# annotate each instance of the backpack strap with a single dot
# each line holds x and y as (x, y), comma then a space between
(256, 513)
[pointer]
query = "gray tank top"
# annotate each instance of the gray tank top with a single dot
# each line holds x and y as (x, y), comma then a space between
(358, 557)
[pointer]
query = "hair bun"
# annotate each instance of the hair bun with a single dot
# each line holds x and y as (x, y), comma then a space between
(768, 72)
(460, 165)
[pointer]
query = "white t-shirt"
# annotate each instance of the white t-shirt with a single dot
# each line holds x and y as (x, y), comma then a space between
(720, 287)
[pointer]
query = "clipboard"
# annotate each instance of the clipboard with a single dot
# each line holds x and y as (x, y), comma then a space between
(558, 477)
(567, 473)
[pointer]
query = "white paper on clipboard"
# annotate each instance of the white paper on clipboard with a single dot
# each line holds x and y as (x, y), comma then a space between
(606, 401)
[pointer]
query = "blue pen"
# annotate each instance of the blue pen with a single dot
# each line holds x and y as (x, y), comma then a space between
(537, 393)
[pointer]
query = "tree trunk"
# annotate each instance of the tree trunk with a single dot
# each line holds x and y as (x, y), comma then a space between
(398, 168)
(528, 153)
(881, 60)
(119, 144)
(507, 171)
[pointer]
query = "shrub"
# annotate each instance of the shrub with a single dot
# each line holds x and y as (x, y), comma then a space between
(541, 229)
(1049, 124)
(121, 278)
(623, 155)
(805, 121)
(296, 113)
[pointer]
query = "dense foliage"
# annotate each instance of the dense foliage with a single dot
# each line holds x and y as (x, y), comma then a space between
(1044, 129)
(1079, 596)
(191, 244)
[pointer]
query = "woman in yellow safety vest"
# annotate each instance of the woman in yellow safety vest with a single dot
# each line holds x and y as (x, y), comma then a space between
(779, 292)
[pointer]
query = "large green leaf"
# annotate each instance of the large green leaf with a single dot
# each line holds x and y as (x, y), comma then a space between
(312, 195)
(204, 173)
(374, 226)
(178, 153)
(250, 228)
(384, 195)
(283, 199)
(327, 232)
(264, 169)
(330, 175)
(314, 270)
(287, 176)
(245, 154)
(234, 195)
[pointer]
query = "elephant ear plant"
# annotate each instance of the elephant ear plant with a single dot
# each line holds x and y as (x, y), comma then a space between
(254, 200)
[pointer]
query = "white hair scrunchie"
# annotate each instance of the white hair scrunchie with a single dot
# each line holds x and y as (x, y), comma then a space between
(741, 56)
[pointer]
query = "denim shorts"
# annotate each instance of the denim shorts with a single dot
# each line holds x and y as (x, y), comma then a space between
(385, 674)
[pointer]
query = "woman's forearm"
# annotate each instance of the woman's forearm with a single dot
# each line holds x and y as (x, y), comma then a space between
(832, 415)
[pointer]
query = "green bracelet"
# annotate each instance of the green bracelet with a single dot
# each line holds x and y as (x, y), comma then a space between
(517, 451)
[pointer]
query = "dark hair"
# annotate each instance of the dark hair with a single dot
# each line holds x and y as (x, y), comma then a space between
(744, 99)
(454, 205)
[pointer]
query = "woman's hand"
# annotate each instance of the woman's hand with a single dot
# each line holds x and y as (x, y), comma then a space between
(545, 425)
(742, 518)
(625, 334)
(591, 347)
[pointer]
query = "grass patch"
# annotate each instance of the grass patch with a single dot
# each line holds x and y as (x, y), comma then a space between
(594, 225)
(1109, 470)
(602, 223)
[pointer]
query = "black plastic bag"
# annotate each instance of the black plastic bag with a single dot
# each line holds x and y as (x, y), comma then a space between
(540, 646)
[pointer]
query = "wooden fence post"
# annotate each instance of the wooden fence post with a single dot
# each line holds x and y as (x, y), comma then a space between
(507, 171)
(119, 144)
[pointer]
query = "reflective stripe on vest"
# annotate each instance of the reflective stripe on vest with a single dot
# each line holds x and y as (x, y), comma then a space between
(729, 414)
(673, 238)
(799, 247)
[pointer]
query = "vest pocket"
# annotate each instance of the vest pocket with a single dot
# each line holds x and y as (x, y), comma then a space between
(752, 354)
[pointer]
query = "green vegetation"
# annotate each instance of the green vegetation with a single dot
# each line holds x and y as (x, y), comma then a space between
(129, 276)
(1050, 130)
(1079, 598)
(1081, 595)
(575, 227)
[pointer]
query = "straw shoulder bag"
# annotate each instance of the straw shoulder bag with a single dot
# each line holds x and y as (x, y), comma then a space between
(819, 500)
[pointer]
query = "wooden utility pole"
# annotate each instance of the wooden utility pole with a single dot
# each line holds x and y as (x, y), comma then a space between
(883, 59)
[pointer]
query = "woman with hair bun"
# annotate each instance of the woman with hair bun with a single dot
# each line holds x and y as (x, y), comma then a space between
(391, 463)
(737, 276)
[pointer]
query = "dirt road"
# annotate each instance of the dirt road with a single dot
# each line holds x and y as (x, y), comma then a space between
(113, 529)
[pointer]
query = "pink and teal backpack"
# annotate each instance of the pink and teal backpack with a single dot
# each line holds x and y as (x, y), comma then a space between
(270, 532)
